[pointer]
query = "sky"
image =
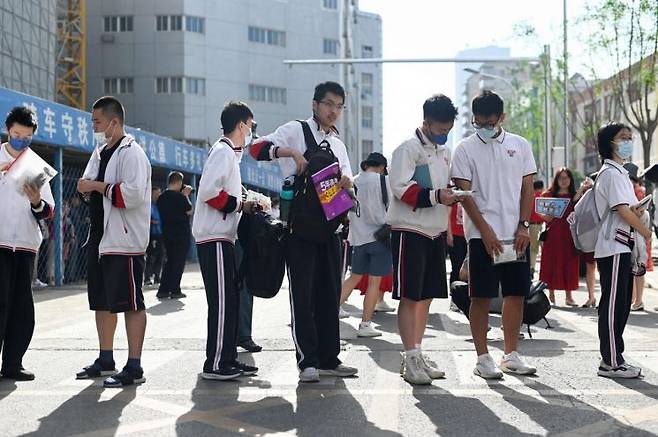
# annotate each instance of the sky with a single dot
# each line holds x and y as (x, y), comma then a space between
(442, 28)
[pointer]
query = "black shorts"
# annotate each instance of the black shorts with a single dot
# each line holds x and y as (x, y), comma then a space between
(419, 266)
(114, 283)
(486, 279)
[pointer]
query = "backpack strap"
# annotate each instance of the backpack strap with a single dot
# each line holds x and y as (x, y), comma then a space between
(309, 138)
(382, 182)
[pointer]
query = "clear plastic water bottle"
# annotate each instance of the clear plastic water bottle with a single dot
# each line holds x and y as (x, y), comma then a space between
(285, 199)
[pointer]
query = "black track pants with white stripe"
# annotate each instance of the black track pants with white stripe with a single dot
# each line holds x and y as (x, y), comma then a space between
(217, 262)
(314, 275)
(615, 305)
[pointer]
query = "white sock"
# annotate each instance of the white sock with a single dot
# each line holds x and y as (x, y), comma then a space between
(412, 352)
(418, 346)
(365, 323)
(483, 357)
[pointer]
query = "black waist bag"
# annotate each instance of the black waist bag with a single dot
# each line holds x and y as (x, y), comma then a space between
(307, 218)
(263, 264)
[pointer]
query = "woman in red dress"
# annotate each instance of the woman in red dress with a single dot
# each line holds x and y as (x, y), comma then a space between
(559, 258)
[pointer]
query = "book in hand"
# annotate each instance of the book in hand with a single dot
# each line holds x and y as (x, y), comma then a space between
(551, 206)
(335, 201)
(422, 176)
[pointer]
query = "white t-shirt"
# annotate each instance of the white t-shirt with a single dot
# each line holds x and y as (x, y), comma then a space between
(496, 168)
(372, 212)
(613, 188)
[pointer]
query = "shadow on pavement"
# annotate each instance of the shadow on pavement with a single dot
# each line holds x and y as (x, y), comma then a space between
(165, 307)
(7, 386)
(86, 413)
(561, 413)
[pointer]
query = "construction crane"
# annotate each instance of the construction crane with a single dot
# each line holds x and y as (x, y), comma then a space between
(71, 67)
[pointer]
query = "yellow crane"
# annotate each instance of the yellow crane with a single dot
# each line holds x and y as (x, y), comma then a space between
(71, 67)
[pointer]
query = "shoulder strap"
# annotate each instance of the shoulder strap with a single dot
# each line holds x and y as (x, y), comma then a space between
(309, 139)
(382, 182)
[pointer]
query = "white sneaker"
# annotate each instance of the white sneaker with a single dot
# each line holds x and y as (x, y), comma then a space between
(342, 314)
(430, 367)
(414, 373)
(486, 368)
(402, 357)
(38, 284)
(383, 307)
(512, 363)
(367, 330)
(310, 374)
(625, 371)
(341, 370)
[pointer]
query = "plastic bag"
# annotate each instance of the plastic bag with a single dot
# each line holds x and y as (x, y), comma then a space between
(30, 169)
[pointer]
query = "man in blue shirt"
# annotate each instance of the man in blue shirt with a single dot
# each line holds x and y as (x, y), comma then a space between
(155, 251)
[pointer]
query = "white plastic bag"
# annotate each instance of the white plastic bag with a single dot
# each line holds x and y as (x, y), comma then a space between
(30, 169)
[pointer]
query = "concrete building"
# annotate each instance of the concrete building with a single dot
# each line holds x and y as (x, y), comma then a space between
(174, 63)
(27, 46)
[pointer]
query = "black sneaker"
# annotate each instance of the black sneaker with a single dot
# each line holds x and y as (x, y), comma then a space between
(19, 374)
(223, 374)
(247, 370)
(162, 295)
(97, 370)
(177, 295)
(128, 376)
(249, 345)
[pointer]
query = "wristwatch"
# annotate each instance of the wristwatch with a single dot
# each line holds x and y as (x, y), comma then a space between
(525, 224)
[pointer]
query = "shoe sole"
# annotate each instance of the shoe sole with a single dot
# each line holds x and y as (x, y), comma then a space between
(518, 372)
(253, 351)
(618, 376)
(309, 380)
(336, 374)
(216, 377)
(375, 334)
(418, 382)
(476, 372)
(137, 381)
(104, 373)
(251, 373)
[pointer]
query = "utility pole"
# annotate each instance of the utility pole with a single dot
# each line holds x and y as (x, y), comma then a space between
(347, 72)
(566, 86)
(548, 134)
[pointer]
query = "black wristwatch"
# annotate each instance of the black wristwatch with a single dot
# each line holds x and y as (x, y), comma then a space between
(525, 224)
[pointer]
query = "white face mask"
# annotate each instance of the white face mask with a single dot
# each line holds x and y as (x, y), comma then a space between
(99, 137)
(249, 138)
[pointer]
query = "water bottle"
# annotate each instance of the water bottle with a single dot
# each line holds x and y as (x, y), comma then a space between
(285, 199)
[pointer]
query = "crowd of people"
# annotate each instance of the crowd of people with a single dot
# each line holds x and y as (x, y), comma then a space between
(474, 206)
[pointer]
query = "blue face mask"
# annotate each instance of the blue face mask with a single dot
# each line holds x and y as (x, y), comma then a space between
(486, 132)
(625, 149)
(439, 139)
(19, 144)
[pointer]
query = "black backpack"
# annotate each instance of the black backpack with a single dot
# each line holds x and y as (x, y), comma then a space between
(263, 262)
(307, 218)
(536, 306)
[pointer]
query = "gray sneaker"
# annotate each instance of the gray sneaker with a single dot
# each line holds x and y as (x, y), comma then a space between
(340, 370)
(310, 374)
(623, 371)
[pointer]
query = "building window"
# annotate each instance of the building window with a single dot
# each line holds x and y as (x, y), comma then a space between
(176, 84)
(195, 24)
(366, 117)
(367, 147)
(330, 46)
(162, 23)
(176, 23)
(262, 93)
(366, 83)
(366, 51)
(196, 86)
(118, 23)
(330, 4)
(162, 85)
(267, 36)
(118, 85)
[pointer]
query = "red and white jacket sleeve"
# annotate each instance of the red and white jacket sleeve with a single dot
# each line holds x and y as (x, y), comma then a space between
(211, 187)
(403, 186)
(133, 190)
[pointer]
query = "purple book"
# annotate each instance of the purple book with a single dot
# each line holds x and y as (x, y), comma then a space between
(334, 201)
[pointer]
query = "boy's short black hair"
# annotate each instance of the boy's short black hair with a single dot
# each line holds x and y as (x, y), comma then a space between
(538, 185)
(174, 176)
(488, 103)
(439, 108)
(604, 138)
(23, 116)
(323, 88)
(111, 107)
(234, 113)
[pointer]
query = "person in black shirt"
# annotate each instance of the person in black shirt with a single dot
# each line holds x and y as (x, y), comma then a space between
(175, 211)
